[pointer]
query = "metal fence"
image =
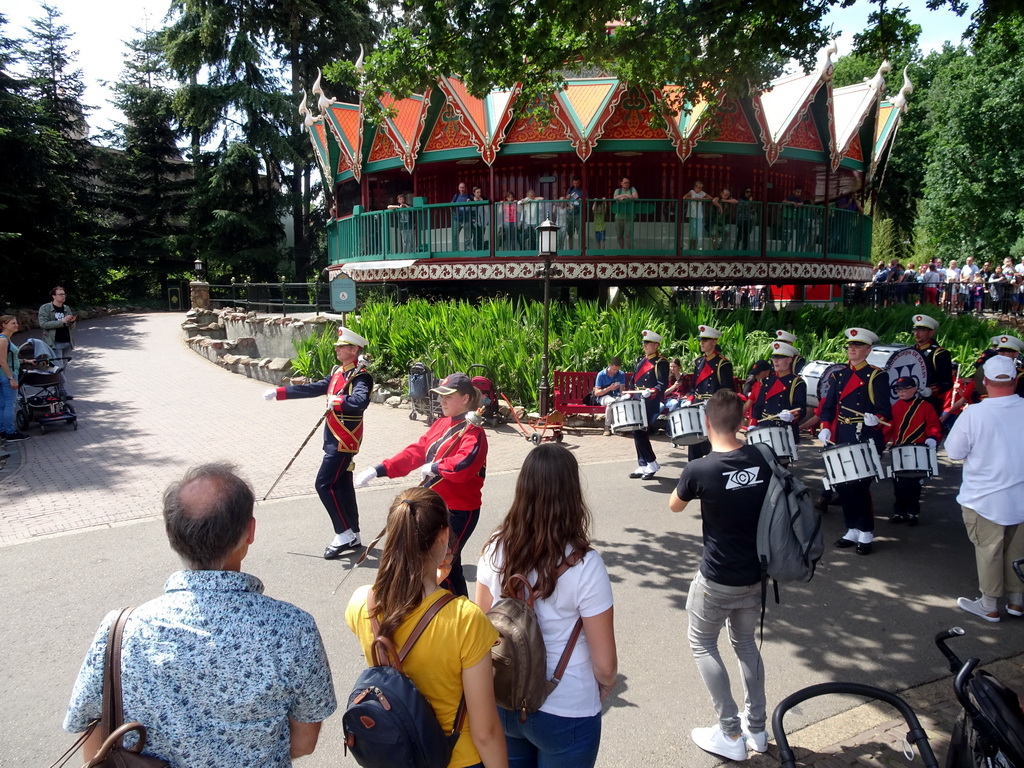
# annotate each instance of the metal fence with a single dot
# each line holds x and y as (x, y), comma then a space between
(591, 226)
(273, 297)
(953, 298)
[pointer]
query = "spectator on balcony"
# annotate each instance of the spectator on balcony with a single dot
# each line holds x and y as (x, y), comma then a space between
(403, 219)
(508, 215)
(790, 216)
(462, 220)
(624, 211)
(600, 208)
(723, 219)
(746, 217)
(575, 197)
(532, 209)
(695, 213)
(481, 221)
(842, 225)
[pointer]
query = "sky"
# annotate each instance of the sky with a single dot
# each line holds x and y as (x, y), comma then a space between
(99, 30)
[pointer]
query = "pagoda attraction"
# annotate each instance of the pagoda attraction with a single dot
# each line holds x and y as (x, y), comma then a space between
(783, 176)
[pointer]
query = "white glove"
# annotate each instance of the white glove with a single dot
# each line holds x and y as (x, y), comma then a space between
(825, 435)
(870, 420)
(363, 478)
(926, 392)
(270, 394)
(786, 416)
(333, 402)
(931, 442)
(646, 393)
(427, 471)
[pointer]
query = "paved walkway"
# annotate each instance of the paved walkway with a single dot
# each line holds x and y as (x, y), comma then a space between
(149, 407)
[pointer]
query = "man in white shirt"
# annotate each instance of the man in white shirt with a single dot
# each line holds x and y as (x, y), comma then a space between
(986, 438)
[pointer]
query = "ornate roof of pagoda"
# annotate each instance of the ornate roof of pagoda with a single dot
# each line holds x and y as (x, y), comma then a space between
(799, 115)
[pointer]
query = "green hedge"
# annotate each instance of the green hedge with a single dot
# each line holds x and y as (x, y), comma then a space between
(507, 336)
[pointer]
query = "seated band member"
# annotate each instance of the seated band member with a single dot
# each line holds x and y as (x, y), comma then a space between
(855, 408)
(651, 376)
(711, 372)
(782, 397)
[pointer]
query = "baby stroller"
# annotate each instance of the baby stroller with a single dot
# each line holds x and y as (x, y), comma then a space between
(488, 409)
(421, 399)
(39, 396)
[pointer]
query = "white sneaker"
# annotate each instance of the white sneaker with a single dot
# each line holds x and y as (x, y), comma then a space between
(717, 743)
(756, 740)
(653, 467)
(975, 607)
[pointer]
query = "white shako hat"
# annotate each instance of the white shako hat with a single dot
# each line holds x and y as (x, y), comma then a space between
(926, 321)
(861, 335)
(657, 338)
(782, 349)
(707, 332)
(1008, 342)
(346, 336)
(785, 336)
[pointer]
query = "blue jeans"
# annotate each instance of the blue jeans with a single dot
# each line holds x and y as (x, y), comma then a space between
(551, 741)
(7, 397)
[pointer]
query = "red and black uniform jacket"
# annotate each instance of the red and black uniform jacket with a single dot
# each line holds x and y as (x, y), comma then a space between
(651, 373)
(711, 374)
(343, 427)
(913, 421)
(852, 393)
(777, 394)
(458, 452)
(939, 371)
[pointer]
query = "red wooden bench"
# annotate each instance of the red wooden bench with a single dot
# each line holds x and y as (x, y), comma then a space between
(572, 386)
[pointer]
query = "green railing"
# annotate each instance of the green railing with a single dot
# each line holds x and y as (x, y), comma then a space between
(595, 227)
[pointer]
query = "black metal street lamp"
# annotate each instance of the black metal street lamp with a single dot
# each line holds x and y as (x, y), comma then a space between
(547, 250)
(198, 266)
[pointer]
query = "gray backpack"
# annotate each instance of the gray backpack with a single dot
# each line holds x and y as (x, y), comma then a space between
(520, 656)
(789, 538)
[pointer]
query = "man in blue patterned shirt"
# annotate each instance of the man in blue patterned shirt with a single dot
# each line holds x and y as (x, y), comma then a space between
(217, 672)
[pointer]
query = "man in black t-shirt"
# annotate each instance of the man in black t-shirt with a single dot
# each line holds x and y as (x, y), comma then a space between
(731, 483)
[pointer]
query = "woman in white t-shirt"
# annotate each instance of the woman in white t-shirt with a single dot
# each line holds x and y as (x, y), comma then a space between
(548, 524)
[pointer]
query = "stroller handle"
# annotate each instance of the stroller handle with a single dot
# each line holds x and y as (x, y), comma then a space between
(916, 735)
(1017, 570)
(955, 663)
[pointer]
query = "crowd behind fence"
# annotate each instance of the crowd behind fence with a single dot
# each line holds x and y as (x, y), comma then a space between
(641, 226)
(952, 297)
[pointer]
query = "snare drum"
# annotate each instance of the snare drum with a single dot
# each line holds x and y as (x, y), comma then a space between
(625, 416)
(779, 438)
(913, 461)
(686, 425)
(850, 462)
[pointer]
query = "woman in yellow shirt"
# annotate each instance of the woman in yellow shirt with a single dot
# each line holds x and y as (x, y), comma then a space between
(453, 655)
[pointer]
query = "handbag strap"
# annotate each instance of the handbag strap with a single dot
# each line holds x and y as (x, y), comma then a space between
(113, 707)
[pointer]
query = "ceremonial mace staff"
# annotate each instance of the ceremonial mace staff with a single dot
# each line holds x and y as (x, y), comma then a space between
(294, 457)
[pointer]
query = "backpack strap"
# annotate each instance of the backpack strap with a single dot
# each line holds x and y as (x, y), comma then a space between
(773, 465)
(563, 661)
(113, 707)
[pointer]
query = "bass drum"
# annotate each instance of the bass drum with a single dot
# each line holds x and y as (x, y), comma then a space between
(899, 360)
(816, 373)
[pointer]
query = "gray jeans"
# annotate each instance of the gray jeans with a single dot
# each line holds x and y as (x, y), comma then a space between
(710, 607)
(64, 350)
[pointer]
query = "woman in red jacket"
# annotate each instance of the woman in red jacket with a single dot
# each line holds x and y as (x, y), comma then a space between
(451, 458)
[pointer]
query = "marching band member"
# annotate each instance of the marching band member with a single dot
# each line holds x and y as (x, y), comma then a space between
(651, 376)
(856, 404)
(937, 362)
(789, 338)
(913, 423)
(783, 395)
(711, 372)
(348, 389)
(450, 458)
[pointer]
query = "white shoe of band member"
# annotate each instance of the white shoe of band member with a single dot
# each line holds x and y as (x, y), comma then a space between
(640, 471)
(717, 743)
(653, 467)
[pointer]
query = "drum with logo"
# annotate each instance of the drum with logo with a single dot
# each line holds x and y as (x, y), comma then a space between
(899, 360)
(626, 416)
(778, 436)
(816, 373)
(686, 425)
(850, 462)
(913, 461)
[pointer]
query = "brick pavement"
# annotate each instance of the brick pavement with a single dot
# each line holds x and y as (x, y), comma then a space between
(149, 407)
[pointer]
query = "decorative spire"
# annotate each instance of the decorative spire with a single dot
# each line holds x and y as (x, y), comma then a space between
(900, 102)
(359, 62)
(878, 81)
(325, 101)
(307, 116)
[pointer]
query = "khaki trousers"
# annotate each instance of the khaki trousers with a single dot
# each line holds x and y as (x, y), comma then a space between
(995, 548)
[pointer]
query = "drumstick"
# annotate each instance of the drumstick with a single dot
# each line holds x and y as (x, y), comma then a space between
(861, 413)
